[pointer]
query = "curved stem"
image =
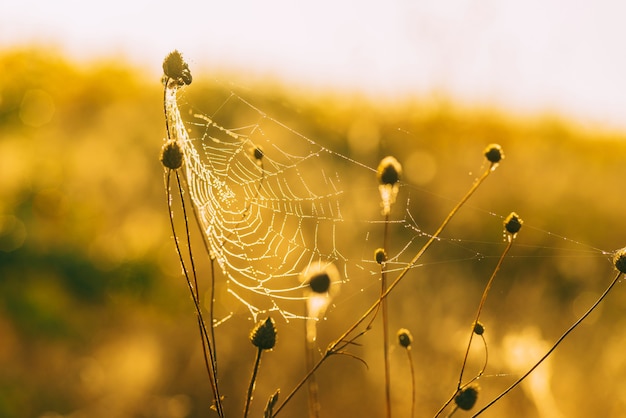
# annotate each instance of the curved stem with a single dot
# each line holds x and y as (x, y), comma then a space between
(556, 344)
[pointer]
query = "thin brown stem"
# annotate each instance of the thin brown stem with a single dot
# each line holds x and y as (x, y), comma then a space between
(556, 344)
(255, 370)
(477, 317)
(413, 394)
(383, 289)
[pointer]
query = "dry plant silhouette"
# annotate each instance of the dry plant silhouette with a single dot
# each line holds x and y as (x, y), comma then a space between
(297, 234)
(250, 194)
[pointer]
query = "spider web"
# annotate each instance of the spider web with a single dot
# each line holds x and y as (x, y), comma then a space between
(273, 203)
(269, 202)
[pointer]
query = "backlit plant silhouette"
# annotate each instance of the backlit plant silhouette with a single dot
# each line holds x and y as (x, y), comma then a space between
(230, 217)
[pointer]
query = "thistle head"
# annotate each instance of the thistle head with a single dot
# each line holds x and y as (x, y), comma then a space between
(321, 284)
(171, 155)
(466, 398)
(175, 68)
(493, 153)
(479, 328)
(619, 260)
(380, 255)
(405, 338)
(512, 224)
(263, 335)
(388, 174)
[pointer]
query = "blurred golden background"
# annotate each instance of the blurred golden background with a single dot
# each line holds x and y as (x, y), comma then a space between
(95, 320)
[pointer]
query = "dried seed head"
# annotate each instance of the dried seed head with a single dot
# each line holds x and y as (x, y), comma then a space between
(479, 328)
(321, 279)
(493, 153)
(171, 155)
(176, 68)
(257, 153)
(380, 255)
(466, 397)
(619, 260)
(389, 171)
(319, 283)
(404, 337)
(388, 174)
(263, 335)
(513, 223)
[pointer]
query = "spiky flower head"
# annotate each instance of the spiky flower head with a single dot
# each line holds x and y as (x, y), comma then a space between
(466, 397)
(388, 174)
(513, 223)
(175, 67)
(493, 153)
(263, 335)
(389, 171)
(257, 153)
(479, 328)
(171, 155)
(404, 337)
(380, 255)
(619, 260)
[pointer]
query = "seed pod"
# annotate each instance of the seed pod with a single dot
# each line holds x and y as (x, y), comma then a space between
(466, 397)
(380, 255)
(176, 68)
(405, 338)
(619, 260)
(493, 153)
(388, 174)
(263, 335)
(479, 328)
(171, 155)
(513, 223)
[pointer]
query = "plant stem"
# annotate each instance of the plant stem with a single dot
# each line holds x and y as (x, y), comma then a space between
(413, 394)
(556, 344)
(480, 306)
(383, 280)
(252, 382)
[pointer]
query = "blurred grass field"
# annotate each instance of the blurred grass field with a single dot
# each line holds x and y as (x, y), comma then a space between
(95, 320)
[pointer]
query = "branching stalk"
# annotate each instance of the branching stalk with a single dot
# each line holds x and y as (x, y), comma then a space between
(556, 344)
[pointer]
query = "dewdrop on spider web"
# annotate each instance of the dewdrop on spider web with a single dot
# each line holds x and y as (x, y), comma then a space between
(388, 174)
(321, 283)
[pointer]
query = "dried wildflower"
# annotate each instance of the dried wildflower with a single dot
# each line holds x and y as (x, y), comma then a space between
(388, 173)
(380, 255)
(263, 335)
(405, 338)
(321, 284)
(257, 153)
(479, 328)
(513, 223)
(619, 260)
(176, 68)
(466, 397)
(493, 153)
(171, 155)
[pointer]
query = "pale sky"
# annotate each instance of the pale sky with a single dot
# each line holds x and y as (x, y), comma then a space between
(564, 56)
